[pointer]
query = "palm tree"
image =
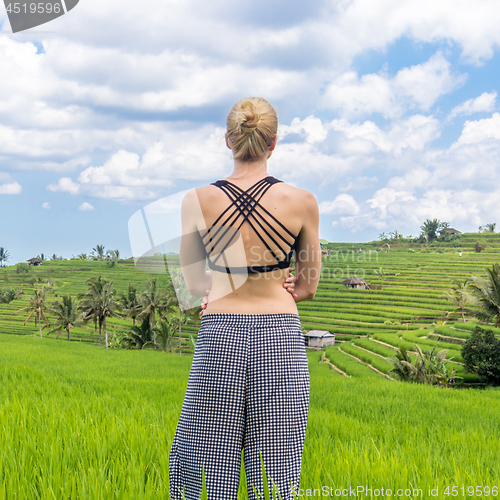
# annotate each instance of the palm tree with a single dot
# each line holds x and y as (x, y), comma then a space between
(140, 336)
(379, 272)
(429, 228)
(458, 296)
(490, 228)
(130, 303)
(4, 256)
(36, 309)
(485, 294)
(402, 364)
(67, 317)
(165, 330)
(99, 303)
(154, 299)
(50, 273)
(187, 308)
(99, 250)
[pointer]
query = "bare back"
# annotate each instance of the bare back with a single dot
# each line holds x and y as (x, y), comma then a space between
(288, 209)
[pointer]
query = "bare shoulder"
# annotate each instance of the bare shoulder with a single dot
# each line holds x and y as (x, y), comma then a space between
(300, 197)
(198, 195)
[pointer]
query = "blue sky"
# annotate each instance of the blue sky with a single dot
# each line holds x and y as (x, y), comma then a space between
(388, 113)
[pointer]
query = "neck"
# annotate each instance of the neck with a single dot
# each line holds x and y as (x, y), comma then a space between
(249, 169)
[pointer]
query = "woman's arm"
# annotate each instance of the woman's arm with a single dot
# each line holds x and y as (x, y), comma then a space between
(308, 251)
(192, 252)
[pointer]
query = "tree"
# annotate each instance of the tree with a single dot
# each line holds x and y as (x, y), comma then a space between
(154, 299)
(165, 335)
(7, 295)
(187, 308)
(4, 256)
(485, 293)
(50, 273)
(481, 355)
(478, 247)
(130, 303)
(22, 268)
(379, 272)
(99, 303)
(140, 336)
(401, 370)
(67, 315)
(99, 250)
(36, 309)
(488, 228)
(459, 296)
(429, 368)
(430, 228)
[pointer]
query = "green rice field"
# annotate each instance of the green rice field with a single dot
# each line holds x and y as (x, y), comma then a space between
(85, 423)
(82, 422)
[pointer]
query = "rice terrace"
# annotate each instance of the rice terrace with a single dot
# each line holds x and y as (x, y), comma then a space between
(82, 421)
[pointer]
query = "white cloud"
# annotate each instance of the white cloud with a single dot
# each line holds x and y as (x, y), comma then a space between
(480, 130)
(364, 24)
(416, 87)
(343, 204)
(11, 188)
(65, 184)
(485, 102)
(46, 205)
(412, 133)
(196, 155)
(86, 207)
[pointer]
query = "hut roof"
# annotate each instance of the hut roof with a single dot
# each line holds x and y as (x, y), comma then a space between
(319, 333)
(354, 281)
(34, 260)
(451, 230)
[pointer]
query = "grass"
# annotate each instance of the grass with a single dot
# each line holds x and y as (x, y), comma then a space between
(80, 422)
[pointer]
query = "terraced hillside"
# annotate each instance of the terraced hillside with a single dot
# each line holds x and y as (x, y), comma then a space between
(68, 277)
(371, 323)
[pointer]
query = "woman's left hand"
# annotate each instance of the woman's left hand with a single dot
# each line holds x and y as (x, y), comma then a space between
(289, 283)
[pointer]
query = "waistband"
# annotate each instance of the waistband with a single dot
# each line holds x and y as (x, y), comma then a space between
(268, 318)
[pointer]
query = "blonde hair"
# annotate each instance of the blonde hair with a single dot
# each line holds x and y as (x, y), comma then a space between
(252, 124)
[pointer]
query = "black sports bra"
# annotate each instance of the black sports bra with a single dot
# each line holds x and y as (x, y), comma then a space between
(245, 205)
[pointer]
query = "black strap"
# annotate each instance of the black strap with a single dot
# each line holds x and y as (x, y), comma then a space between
(245, 204)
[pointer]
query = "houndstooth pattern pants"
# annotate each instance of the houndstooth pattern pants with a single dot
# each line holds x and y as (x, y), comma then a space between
(248, 389)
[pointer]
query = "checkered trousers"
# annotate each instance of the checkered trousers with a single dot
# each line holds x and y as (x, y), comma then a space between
(248, 388)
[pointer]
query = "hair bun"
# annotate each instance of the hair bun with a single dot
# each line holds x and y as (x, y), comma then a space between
(248, 118)
(252, 124)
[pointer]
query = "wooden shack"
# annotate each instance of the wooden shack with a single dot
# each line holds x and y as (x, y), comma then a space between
(356, 283)
(319, 338)
(35, 261)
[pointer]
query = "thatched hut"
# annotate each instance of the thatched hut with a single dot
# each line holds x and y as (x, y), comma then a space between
(356, 283)
(35, 261)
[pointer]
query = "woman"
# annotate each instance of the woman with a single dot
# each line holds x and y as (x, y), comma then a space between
(248, 388)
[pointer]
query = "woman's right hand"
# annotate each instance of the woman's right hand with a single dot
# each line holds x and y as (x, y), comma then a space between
(204, 303)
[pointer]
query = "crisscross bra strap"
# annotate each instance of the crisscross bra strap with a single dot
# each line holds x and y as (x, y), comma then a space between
(245, 206)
